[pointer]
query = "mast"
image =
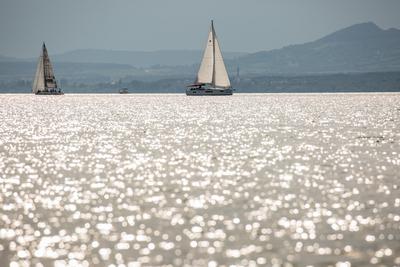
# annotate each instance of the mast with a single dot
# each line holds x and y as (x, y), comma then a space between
(213, 42)
(44, 66)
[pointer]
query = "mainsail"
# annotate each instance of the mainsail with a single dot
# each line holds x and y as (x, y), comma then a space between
(212, 68)
(44, 78)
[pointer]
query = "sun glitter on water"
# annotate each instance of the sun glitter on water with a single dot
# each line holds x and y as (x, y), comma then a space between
(151, 180)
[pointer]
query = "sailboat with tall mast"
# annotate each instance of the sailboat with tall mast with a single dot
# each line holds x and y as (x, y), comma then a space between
(212, 78)
(45, 82)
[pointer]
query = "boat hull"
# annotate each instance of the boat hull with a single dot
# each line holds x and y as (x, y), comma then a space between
(49, 93)
(123, 91)
(210, 91)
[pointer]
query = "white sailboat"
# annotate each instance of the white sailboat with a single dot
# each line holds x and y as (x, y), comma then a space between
(212, 78)
(45, 83)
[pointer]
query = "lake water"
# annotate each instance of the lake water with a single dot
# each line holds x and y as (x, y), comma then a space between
(248, 180)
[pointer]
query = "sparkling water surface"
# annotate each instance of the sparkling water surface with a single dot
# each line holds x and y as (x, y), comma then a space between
(170, 180)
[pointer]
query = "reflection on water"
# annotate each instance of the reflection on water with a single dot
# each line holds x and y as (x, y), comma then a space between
(248, 180)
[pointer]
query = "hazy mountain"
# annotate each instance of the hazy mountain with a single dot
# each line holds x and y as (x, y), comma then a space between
(138, 58)
(360, 48)
(74, 72)
(7, 59)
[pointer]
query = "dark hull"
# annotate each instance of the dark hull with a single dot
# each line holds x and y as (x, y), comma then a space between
(123, 91)
(210, 91)
(49, 93)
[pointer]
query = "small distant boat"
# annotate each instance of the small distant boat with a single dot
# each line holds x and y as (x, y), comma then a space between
(45, 83)
(123, 91)
(212, 78)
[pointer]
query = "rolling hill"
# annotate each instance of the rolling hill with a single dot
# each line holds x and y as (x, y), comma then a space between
(360, 48)
(139, 59)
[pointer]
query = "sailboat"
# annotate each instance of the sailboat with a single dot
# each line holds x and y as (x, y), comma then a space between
(45, 83)
(212, 78)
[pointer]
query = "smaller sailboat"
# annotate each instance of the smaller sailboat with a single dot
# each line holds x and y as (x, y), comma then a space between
(212, 78)
(45, 82)
(124, 91)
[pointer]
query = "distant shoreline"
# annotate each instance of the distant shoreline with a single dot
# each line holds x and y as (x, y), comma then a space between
(277, 83)
(237, 93)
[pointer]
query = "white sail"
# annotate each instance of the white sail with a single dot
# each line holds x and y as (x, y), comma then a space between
(221, 78)
(44, 77)
(212, 68)
(38, 82)
(205, 73)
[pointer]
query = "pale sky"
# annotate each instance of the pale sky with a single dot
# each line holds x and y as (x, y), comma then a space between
(242, 25)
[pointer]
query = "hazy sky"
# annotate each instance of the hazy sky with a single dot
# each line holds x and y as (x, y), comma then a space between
(242, 25)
